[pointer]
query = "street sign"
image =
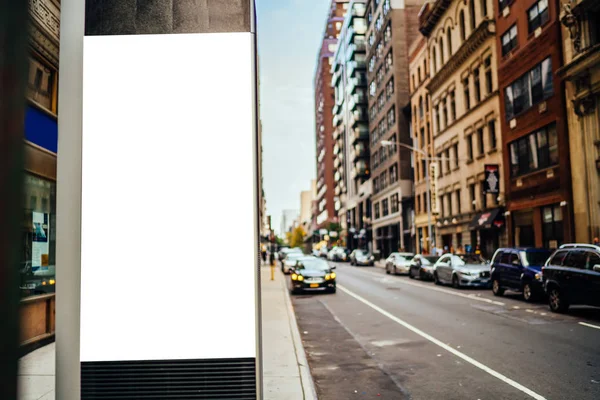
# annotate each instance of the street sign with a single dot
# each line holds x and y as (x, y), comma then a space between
(433, 178)
(491, 184)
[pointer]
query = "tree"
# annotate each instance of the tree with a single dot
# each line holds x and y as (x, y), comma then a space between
(297, 237)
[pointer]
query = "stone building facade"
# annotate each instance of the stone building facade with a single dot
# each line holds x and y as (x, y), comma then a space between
(463, 87)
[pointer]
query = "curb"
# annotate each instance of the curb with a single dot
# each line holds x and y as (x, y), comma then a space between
(308, 385)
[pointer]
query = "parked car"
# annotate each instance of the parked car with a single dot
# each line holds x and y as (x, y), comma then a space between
(572, 276)
(462, 270)
(323, 251)
(337, 254)
(289, 260)
(312, 274)
(519, 269)
(362, 257)
(398, 263)
(421, 266)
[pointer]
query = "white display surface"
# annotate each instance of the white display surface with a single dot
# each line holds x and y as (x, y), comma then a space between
(168, 237)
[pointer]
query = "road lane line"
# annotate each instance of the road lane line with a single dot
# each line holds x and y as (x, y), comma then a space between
(437, 289)
(589, 325)
(452, 350)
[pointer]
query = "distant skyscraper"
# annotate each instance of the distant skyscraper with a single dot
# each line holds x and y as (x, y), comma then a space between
(288, 217)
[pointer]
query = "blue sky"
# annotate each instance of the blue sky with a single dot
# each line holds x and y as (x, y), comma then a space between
(289, 36)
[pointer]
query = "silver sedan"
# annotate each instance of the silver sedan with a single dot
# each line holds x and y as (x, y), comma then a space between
(461, 270)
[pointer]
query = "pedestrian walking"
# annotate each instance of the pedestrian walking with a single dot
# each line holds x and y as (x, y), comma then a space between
(264, 254)
(272, 258)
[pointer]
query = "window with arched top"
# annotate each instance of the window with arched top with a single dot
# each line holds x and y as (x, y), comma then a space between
(441, 52)
(433, 60)
(472, 14)
(449, 40)
(484, 9)
(461, 18)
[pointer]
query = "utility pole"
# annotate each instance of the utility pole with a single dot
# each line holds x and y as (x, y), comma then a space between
(13, 73)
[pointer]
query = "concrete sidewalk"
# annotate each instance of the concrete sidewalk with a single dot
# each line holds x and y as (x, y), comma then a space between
(286, 375)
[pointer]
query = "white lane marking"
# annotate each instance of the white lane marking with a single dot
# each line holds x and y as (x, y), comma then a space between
(437, 289)
(444, 346)
(589, 325)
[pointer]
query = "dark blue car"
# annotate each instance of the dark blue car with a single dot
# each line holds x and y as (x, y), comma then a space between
(519, 269)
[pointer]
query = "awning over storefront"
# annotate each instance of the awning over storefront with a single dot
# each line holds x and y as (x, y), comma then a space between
(488, 219)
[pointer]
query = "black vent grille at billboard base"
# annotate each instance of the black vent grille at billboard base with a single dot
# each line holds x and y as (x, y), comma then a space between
(233, 379)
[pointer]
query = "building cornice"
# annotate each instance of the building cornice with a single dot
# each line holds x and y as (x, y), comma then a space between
(432, 15)
(486, 29)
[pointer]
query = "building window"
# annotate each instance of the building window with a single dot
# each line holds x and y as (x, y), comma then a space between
(444, 112)
(372, 89)
(391, 116)
(509, 40)
(533, 152)
(421, 114)
(389, 61)
(538, 15)
(420, 78)
(41, 86)
(394, 201)
(529, 89)
(467, 93)
(433, 60)
(484, 9)
(422, 138)
(458, 203)
(449, 40)
(452, 106)
(436, 118)
(441, 52)
(385, 207)
(463, 33)
(489, 84)
(472, 14)
(388, 33)
(480, 141)
(371, 64)
(450, 204)
(390, 88)
(448, 160)
(492, 134)
(455, 155)
(472, 197)
(394, 173)
(469, 139)
(379, 23)
(38, 246)
(376, 210)
(477, 85)
(552, 226)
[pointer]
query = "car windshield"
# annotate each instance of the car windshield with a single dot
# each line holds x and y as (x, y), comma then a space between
(295, 256)
(361, 253)
(313, 264)
(469, 259)
(534, 258)
(429, 260)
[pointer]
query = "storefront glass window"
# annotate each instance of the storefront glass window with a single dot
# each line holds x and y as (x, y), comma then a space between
(523, 228)
(38, 257)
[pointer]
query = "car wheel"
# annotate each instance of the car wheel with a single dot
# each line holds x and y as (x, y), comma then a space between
(455, 282)
(410, 274)
(332, 290)
(529, 294)
(436, 279)
(496, 288)
(557, 301)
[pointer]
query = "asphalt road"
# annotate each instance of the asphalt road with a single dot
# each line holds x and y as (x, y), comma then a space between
(390, 337)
